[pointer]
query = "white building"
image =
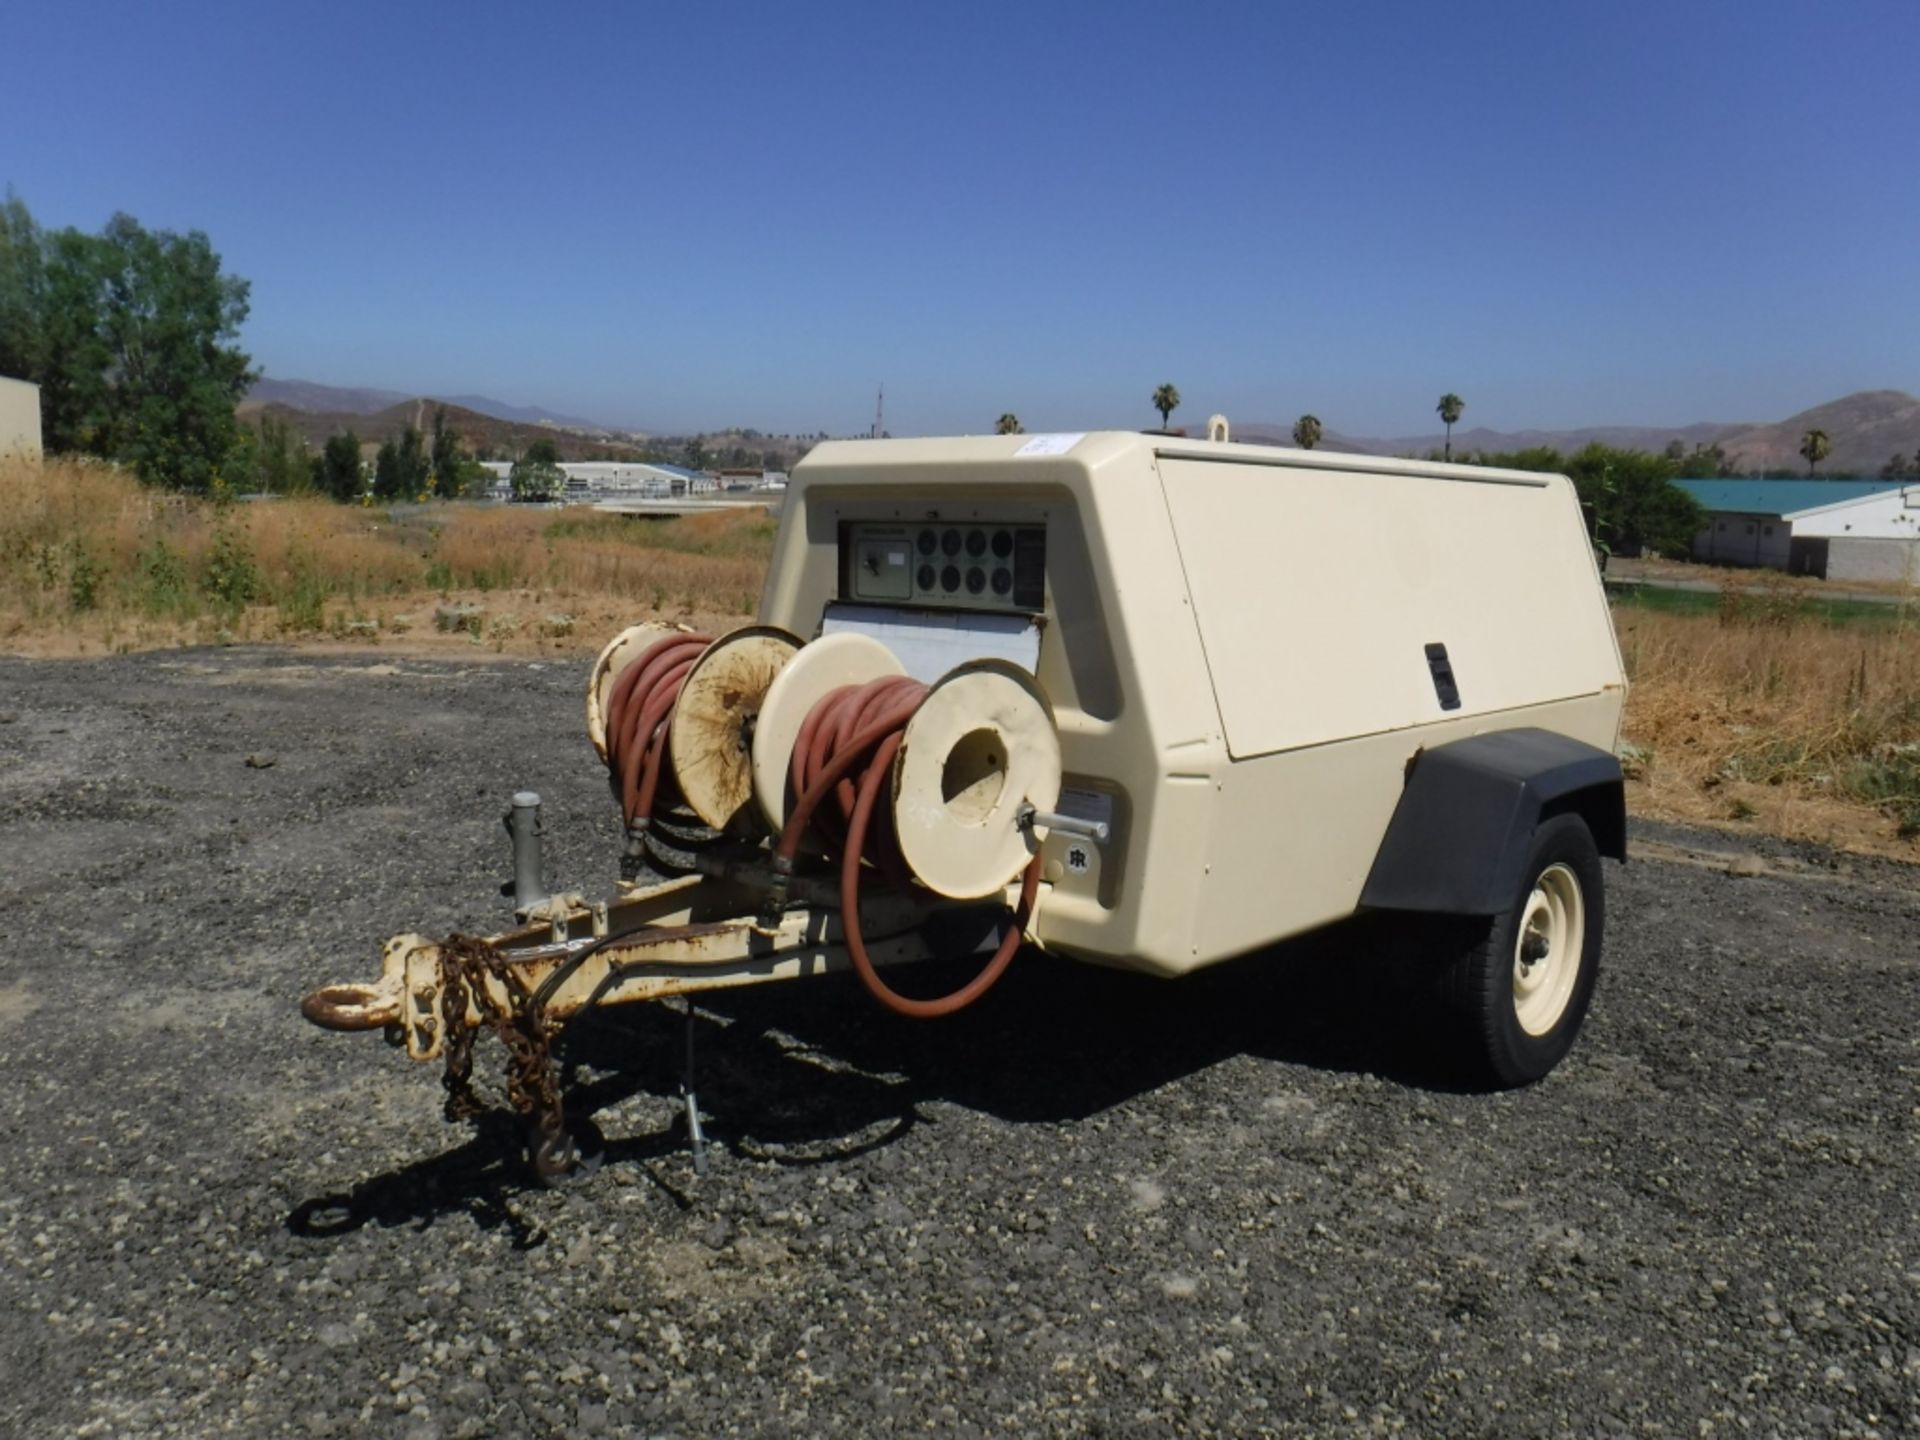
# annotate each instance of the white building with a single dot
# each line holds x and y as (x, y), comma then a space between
(614, 479)
(1838, 529)
(19, 418)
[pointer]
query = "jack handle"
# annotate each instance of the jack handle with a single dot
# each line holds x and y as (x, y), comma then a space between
(1097, 831)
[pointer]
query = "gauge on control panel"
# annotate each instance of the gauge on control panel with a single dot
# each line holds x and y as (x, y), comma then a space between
(968, 565)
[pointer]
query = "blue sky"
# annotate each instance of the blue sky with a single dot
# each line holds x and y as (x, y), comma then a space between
(753, 214)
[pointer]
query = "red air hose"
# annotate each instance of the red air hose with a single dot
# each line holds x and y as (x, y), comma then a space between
(639, 708)
(845, 750)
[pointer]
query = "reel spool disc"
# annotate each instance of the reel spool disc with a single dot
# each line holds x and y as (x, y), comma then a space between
(613, 659)
(981, 744)
(715, 718)
(843, 658)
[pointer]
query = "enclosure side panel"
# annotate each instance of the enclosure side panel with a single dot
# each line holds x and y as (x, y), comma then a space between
(1319, 594)
(1294, 835)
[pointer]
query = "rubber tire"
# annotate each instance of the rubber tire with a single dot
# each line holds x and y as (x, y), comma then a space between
(1476, 984)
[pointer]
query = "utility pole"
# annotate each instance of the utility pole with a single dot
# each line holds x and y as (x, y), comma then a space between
(880, 412)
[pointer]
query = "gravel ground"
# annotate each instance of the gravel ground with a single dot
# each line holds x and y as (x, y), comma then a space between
(1094, 1204)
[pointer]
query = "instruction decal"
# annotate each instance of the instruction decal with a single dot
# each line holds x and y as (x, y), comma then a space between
(1051, 444)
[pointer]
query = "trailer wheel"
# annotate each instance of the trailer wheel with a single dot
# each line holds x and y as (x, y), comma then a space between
(1519, 990)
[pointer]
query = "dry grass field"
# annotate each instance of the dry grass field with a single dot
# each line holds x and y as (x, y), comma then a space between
(1761, 714)
(92, 562)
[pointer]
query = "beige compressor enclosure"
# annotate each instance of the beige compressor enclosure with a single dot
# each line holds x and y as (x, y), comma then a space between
(1144, 701)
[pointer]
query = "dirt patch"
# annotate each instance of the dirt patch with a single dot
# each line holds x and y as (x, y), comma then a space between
(16, 1001)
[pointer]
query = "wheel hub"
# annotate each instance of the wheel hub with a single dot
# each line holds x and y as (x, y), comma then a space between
(1547, 951)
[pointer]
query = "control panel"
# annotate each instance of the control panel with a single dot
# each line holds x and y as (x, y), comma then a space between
(973, 565)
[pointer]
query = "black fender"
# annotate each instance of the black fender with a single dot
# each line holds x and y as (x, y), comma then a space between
(1460, 834)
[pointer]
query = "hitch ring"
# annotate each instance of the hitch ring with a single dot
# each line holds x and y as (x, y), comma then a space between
(351, 1007)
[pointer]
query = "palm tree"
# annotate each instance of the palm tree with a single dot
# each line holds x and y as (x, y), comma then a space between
(1009, 424)
(1815, 446)
(1166, 400)
(1306, 431)
(1450, 407)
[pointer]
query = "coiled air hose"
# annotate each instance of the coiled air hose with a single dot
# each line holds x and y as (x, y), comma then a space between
(639, 711)
(845, 751)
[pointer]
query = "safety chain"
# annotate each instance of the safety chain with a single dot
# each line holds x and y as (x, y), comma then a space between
(532, 1089)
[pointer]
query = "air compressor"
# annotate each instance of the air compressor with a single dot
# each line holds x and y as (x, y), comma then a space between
(1140, 700)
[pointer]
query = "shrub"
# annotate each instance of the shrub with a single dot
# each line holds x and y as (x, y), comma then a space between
(164, 586)
(231, 578)
(303, 606)
(83, 577)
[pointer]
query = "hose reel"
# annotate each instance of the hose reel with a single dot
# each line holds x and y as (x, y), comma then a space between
(838, 753)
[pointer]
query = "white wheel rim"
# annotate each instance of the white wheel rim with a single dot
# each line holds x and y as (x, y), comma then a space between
(1548, 949)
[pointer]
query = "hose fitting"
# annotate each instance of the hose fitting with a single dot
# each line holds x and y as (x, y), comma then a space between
(634, 859)
(774, 904)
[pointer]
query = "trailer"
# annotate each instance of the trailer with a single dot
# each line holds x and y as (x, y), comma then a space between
(1143, 701)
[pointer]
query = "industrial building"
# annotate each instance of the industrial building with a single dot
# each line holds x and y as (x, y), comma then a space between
(19, 418)
(615, 480)
(1866, 530)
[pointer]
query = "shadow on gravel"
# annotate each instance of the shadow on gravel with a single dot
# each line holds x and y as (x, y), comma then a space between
(477, 1179)
(1057, 1040)
(817, 1072)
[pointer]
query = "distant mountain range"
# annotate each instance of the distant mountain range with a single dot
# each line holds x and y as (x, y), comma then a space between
(317, 399)
(1867, 429)
(481, 434)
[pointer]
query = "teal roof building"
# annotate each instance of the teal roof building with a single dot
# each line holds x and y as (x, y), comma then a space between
(1780, 497)
(1859, 530)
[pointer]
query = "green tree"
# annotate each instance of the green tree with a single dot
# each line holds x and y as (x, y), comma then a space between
(386, 471)
(1450, 407)
(23, 291)
(1631, 502)
(1166, 399)
(1009, 424)
(337, 468)
(1815, 446)
(129, 344)
(449, 478)
(694, 456)
(280, 457)
(1900, 468)
(1706, 462)
(536, 478)
(1307, 431)
(240, 471)
(401, 468)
